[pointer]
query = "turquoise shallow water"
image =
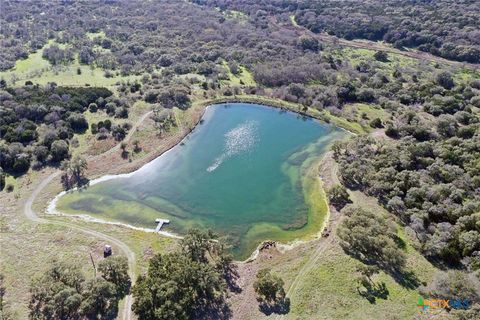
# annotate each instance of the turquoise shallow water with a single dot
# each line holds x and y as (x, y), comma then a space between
(242, 172)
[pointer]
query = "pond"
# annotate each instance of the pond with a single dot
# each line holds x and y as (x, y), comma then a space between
(248, 172)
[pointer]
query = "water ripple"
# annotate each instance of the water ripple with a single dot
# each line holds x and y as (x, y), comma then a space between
(240, 139)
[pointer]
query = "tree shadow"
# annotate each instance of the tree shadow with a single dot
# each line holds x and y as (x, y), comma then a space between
(279, 307)
(231, 276)
(215, 311)
(374, 291)
(400, 242)
(406, 279)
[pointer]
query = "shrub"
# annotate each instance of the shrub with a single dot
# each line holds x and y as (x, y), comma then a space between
(338, 196)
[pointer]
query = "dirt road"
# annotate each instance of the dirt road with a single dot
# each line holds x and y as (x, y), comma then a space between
(31, 215)
(365, 44)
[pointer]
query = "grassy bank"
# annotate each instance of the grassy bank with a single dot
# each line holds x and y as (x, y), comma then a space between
(322, 115)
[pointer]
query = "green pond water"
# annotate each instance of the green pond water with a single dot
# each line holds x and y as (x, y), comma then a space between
(248, 172)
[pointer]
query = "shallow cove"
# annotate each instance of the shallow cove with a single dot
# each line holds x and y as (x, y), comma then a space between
(248, 172)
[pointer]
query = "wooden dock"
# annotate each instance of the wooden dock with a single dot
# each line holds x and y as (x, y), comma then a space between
(160, 223)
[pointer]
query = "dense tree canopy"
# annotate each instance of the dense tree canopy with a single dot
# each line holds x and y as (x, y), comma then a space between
(62, 292)
(190, 284)
(446, 28)
(372, 238)
(430, 180)
(37, 123)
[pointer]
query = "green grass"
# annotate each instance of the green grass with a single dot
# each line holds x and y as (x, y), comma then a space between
(329, 289)
(87, 139)
(93, 35)
(11, 180)
(292, 20)
(244, 77)
(466, 75)
(39, 70)
(370, 110)
(351, 126)
(87, 143)
(363, 114)
(397, 61)
(232, 14)
(358, 55)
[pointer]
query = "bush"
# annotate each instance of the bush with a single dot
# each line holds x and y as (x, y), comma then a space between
(381, 56)
(93, 107)
(78, 122)
(376, 123)
(59, 150)
(338, 196)
(445, 80)
(453, 284)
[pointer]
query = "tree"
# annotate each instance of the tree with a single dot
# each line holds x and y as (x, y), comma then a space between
(270, 292)
(309, 43)
(188, 284)
(197, 243)
(74, 172)
(78, 122)
(59, 150)
(177, 287)
(57, 294)
(136, 146)
(269, 287)
(447, 125)
(376, 123)
(99, 300)
(338, 196)
(2, 179)
(123, 147)
(115, 270)
(445, 80)
(2, 293)
(381, 56)
(164, 119)
(371, 238)
(63, 293)
(93, 107)
(371, 290)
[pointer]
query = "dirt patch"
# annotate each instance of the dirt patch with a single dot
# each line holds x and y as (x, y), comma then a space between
(243, 303)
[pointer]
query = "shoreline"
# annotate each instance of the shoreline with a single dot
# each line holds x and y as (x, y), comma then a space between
(281, 246)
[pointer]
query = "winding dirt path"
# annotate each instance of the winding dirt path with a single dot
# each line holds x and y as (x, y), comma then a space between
(31, 215)
(329, 177)
(370, 45)
(133, 129)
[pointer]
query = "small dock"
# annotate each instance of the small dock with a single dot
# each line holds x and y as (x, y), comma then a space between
(160, 223)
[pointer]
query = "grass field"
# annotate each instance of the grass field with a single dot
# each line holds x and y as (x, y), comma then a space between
(328, 289)
(244, 77)
(39, 70)
(398, 62)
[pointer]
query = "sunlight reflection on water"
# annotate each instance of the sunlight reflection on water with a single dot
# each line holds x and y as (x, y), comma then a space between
(240, 139)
